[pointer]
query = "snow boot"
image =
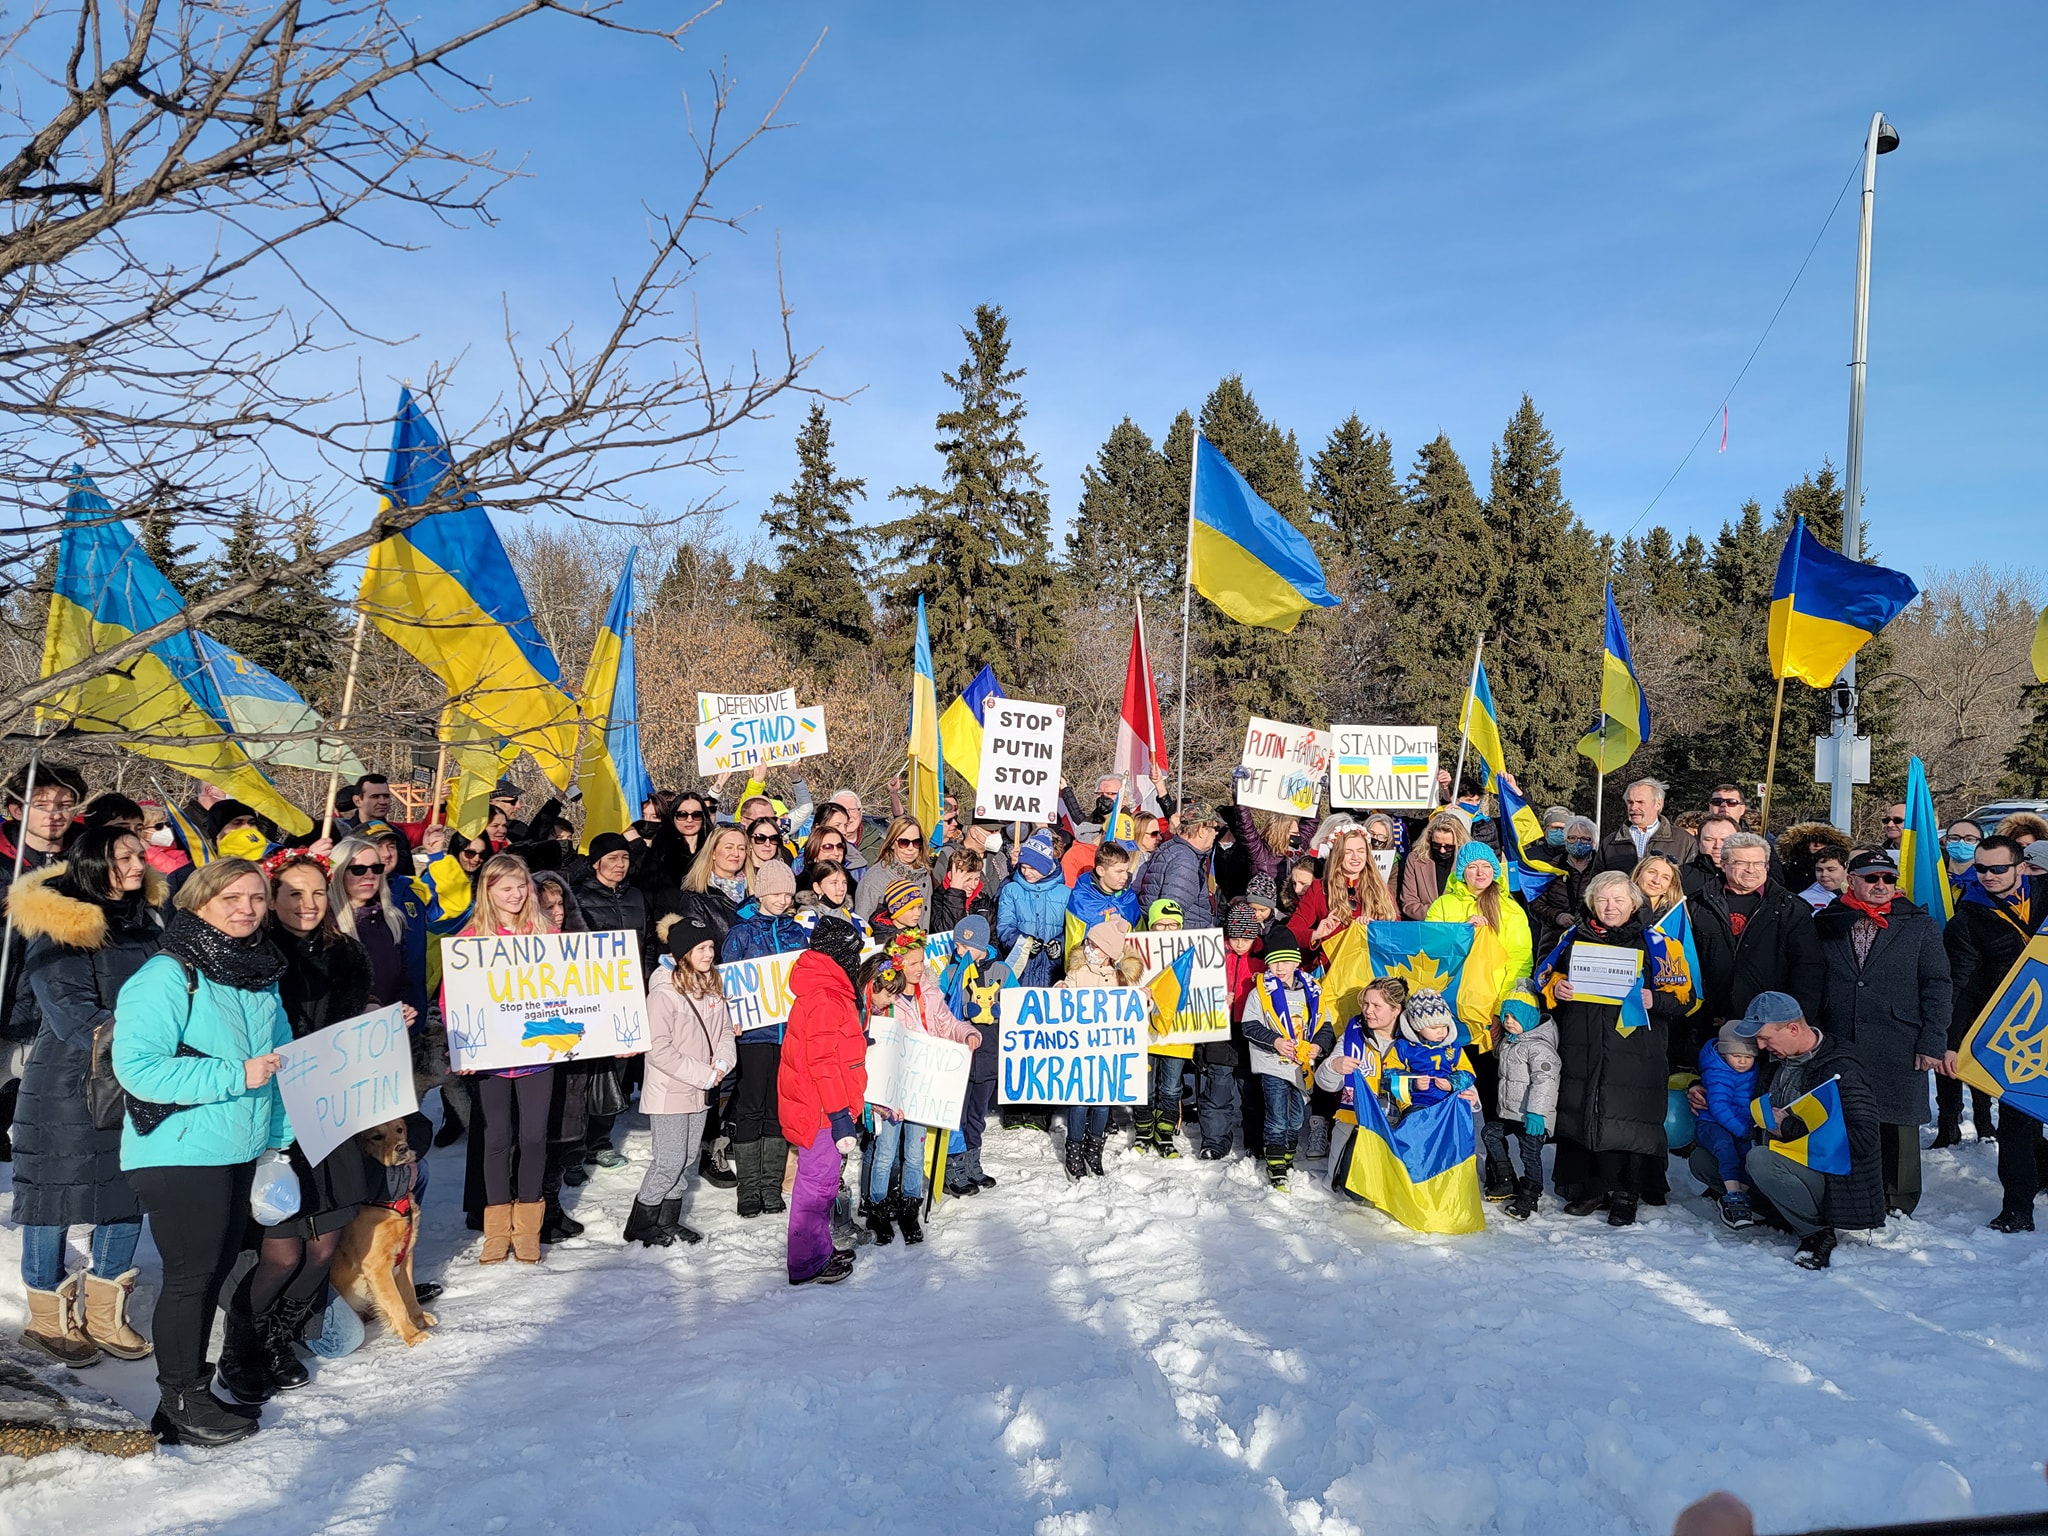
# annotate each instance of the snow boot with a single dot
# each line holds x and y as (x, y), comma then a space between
(774, 1156)
(836, 1269)
(746, 1162)
(1500, 1179)
(556, 1223)
(281, 1327)
(1091, 1153)
(2012, 1220)
(1527, 1196)
(906, 1217)
(106, 1316)
(1278, 1166)
(54, 1326)
(672, 1221)
(1164, 1137)
(1077, 1164)
(188, 1414)
(714, 1164)
(643, 1226)
(526, 1216)
(1143, 1123)
(243, 1369)
(1736, 1212)
(497, 1246)
(1621, 1211)
(878, 1223)
(1316, 1145)
(1587, 1206)
(1815, 1250)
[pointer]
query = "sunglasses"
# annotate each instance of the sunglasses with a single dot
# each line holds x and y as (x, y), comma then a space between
(1994, 869)
(689, 816)
(1873, 877)
(1724, 800)
(360, 870)
(1894, 821)
(765, 837)
(907, 842)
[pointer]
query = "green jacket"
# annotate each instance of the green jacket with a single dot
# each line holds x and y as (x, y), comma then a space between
(229, 1122)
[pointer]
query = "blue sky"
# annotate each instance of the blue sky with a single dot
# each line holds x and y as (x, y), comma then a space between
(1368, 209)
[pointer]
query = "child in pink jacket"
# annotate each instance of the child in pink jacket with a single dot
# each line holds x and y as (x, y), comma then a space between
(690, 1046)
(901, 983)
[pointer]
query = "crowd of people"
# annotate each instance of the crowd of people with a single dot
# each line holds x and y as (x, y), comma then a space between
(150, 983)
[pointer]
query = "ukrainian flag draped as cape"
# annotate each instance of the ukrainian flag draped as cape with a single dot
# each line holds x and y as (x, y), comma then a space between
(107, 591)
(1424, 1172)
(1826, 607)
(960, 725)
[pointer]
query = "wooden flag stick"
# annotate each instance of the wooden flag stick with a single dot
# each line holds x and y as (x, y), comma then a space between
(1771, 760)
(348, 702)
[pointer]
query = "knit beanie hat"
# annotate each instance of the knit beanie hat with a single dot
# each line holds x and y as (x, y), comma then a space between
(1110, 933)
(1241, 922)
(1426, 1010)
(775, 878)
(898, 898)
(1263, 891)
(684, 937)
(971, 933)
(1476, 853)
(1037, 854)
(1281, 946)
(608, 842)
(836, 939)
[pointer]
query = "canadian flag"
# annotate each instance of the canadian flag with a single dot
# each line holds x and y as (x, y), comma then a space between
(1140, 732)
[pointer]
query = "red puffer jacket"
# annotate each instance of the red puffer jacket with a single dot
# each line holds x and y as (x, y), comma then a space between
(824, 1052)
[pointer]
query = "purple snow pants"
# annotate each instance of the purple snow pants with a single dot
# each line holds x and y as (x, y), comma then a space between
(810, 1206)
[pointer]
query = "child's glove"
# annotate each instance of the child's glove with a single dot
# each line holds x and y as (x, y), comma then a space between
(1533, 1125)
(1460, 1081)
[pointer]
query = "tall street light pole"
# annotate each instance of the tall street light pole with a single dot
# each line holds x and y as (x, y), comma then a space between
(1882, 139)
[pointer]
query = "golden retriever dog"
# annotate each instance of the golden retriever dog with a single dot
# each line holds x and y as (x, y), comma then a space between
(373, 1262)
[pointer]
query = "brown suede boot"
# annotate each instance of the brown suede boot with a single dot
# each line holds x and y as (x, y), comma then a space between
(498, 1235)
(53, 1326)
(106, 1316)
(527, 1216)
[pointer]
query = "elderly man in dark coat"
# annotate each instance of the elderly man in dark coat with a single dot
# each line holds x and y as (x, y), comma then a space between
(1888, 997)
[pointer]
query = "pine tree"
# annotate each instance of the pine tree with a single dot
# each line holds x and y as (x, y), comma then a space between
(1129, 534)
(816, 601)
(288, 627)
(1443, 580)
(2026, 762)
(1354, 496)
(316, 644)
(977, 549)
(159, 540)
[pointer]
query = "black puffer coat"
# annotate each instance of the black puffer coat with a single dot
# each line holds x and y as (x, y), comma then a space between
(1892, 1007)
(709, 908)
(67, 1172)
(1854, 1199)
(1612, 1095)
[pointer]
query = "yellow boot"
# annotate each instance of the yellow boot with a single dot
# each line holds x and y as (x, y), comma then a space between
(106, 1316)
(53, 1326)
(526, 1219)
(497, 1235)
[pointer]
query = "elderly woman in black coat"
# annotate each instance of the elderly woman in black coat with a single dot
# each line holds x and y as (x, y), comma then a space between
(1612, 1095)
(87, 925)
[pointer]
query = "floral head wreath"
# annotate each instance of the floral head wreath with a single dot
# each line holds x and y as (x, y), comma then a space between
(275, 864)
(907, 939)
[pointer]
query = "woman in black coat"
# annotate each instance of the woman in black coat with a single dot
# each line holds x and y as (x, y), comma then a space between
(1611, 1098)
(86, 926)
(670, 854)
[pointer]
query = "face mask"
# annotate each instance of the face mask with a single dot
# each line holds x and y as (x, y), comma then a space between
(1554, 837)
(1961, 852)
(160, 837)
(1579, 850)
(243, 843)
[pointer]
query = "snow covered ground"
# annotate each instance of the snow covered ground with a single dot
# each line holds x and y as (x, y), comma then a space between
(1172, 1349)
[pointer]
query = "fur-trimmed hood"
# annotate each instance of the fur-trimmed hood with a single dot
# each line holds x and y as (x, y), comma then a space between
(1795, 838)
(41, 911)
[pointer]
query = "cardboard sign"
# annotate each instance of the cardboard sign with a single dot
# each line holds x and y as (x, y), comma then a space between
(1608, 972)
(532, 999)
(1073, 1045)
(730, 706)
(346, 1078)
(921, 1076)
(759, 741)
(1384, 767)
(1019, 777)
(757, 991)
(1284, 767)
(1204, 1013)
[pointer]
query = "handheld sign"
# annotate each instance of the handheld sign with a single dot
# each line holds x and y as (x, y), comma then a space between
(729, 706)
(1019, 778)
(1283, 766)
(1384, 767)
(346, 1078)
(532, 999)
(1199, 1012)
(757, 991)
(759, 741)
(1606, 972)
(918, 1075)
(1073, 1045)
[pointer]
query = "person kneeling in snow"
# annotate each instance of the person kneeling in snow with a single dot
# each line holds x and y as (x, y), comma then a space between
(1284, 1026)
(821, 1083)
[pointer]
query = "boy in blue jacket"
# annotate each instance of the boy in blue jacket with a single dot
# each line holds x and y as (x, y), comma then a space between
(1723, 1133)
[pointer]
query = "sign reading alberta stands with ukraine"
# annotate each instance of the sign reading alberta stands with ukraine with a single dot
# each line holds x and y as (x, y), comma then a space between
(1073, 1045)
(531, 999)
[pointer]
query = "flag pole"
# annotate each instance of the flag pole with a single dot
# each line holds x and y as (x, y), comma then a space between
(1599, 800)
(1771, 760)
(1187, 598)
(348, 701)
(440, 786)
(1465, 718)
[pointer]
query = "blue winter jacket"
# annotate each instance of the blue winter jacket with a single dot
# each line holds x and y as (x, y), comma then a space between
(1037, 910)
(1176, 872)
(1729, 1092)
(753, 937)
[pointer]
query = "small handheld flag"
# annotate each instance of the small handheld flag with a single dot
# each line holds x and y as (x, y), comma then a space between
(1674, 957)
(1172, 985)
(1825, 1146)
(1826, 607)
(1481, 723)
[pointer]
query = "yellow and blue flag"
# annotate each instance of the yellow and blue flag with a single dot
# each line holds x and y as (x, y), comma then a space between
(445, 591)
(2040, 656)
(960, 725)
(1674, 959)
(1430, 957)
(2006, 1051)
(1923, 876)
(1170, 988)
(1424, 1172)
(1528, 854)
(107, 591)
(478, 757)
(1825, 1146)
(1826, 607)
(612, 775)
(1481, 724)
(197, 845)
(927, 763)
(1623, 723)
(1248, 559)
(275, 725)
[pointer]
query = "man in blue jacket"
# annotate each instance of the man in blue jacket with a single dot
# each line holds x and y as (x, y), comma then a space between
(1179, 868)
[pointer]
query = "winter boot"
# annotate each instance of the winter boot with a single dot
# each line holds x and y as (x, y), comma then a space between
(746, 1162)
(644, 1226)
(1736, 1212)
(1527, 1196)
(526, 1216)
(1317, 1143)
(1142, 1123)
(672, 1221)
(188, 1414)
(878, 1222)
(774, 1160)
(982, 1176)
(907, 1211)
(2013, 1220)
(497, 1246)
(106, 1316)
(1278, 1166)
(1587, 1206)
(243, 1369)
(1814, 1251)
(1499, 1179)
(281, 1326)
(836, 1269)
(557, 1224)
(1077, 1163)
(1980, 1114)
(1621, 1211)
(714, 1163)
(1091, 1153)
(54, 1328)
(1164, 1140)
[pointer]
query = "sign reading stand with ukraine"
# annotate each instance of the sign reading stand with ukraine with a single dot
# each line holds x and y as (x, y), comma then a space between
(532, 999)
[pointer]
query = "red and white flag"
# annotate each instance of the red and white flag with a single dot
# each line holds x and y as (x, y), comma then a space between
(1140, 732)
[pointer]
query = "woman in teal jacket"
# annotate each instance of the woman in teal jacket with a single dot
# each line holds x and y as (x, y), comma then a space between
(196, 1036)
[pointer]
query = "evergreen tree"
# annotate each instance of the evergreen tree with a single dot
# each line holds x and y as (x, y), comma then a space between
(977, 547)
(316, 645)
(2026, 763)
(287, 627)
(1354, 496)
(159, 538)
(1130, 533)
(1443, 580)
(816, 601)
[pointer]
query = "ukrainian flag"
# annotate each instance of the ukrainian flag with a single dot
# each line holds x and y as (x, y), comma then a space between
(960, 725)
(1529, 866)
(1481, 724)
(2040, 657)
(1825, 607)
(1624, 721)
(1170, 988)
(1425, 1172)
(198, 847)
(2006, 1051)
(107, 591)
(1248, 559)
(1923, 877)
(1825, 1146)
(1430, 957)
(480, 757)
(276, 726)
(1674, 957)
(612, 775)
(927, 763)
(445, 591)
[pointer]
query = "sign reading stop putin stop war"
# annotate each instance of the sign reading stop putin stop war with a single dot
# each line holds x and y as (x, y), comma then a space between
(1384, 767)
(1021, 744)
(532, 999)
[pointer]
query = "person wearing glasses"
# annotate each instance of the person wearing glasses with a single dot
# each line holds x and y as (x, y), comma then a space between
(764, 845)
(671, 852)
(906, 855)
(1888, 995)
(1729, 800)
(1894, 827)
(1995, 917)
(1753, 936)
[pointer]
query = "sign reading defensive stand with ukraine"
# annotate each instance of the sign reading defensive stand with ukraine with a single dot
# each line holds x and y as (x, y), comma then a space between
(743, 742)
(533, 999)
(1073, 1045)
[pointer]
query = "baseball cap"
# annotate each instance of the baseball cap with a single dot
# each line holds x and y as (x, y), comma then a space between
(1768, 1008)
